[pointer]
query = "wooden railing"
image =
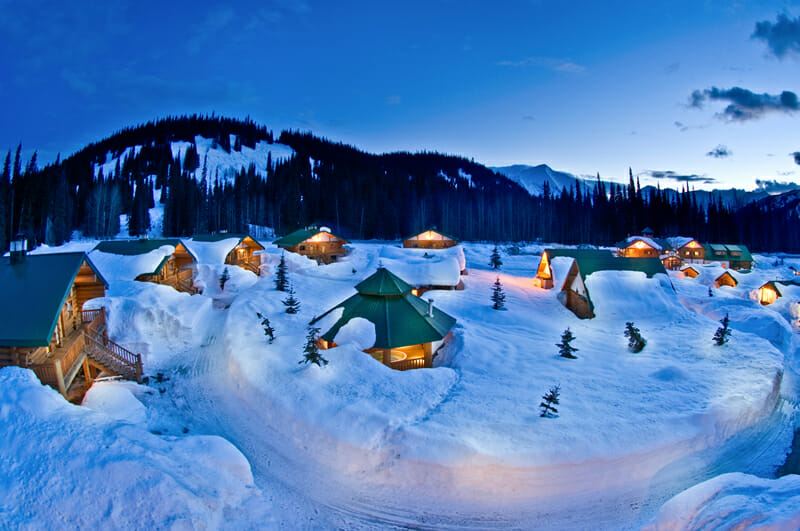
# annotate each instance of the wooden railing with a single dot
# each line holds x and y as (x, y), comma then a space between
(88, 316)
(47, 374)
(408, 364)
(115, 357)
(70, 355)
(96, 324)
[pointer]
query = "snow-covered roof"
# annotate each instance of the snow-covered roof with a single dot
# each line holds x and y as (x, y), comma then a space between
(425, 267)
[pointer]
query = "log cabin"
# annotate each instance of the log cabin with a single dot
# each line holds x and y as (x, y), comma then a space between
(430, 239)
(733, 256)
(48, 329)
(314, 242)
(408, 330)
(726, 279)
(689, 250)
(175, 269)
(641, 247)
(690, 272)
(769, 293)
(574, 294)
(241, 249)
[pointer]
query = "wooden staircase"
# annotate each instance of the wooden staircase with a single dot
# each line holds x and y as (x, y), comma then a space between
(111, 358)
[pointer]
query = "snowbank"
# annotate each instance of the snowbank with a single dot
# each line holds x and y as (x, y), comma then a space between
(66, 465)
(425, 267)
(734, 501)
(115, 267)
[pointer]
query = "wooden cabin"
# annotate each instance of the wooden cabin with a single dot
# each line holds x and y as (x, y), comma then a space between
(408, 329)
(45, 327)
(691, 251)
(175, 269)
(544, 272)
(732, 256)
(430, 239)
(574, 293)
(726, 279)
(769, 293)
(241, 251)
(314, 242)
(641, 247)
(690, 272)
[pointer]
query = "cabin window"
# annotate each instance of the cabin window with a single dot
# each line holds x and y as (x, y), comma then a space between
(302, 247)
(416, 244)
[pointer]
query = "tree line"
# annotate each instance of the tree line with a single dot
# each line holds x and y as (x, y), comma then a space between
(360, 195)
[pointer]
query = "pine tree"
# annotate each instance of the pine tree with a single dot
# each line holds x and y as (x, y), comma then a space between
(494, 260)
(723, 333)
(223, 279)
(269, 332)
(498, 297)
(636, 342)
(549, 401)
(281, 279)
(291, 302)
(565, 349)
(710, 293)
(311, 351)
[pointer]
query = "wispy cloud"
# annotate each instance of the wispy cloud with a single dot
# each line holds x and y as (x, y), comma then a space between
(528, 118)
(720, 152)
(782, 37)
(393, 100)
(796, 156)
(681, 177)
(551, 63)
(743, 104)
(672, 68)
(776, 187)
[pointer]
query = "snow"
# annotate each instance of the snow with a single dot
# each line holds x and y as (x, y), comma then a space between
(71, 466)
(734, 501)
(649, 241)
(676, 242)
(210, 252)
(462, 445)
(532, 178)
(128, 267)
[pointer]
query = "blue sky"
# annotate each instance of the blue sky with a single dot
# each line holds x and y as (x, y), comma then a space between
(585, 87)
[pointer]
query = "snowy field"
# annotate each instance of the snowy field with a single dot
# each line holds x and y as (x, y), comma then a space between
(355, 444)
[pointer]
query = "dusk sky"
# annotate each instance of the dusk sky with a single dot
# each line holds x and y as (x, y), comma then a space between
(704, 90)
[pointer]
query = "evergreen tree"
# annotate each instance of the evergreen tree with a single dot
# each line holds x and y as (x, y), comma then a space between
(636, 342)
(281, 276)
(224, 278)
(565, 348)
(710, 292)
(291, 302)
(494, 260)
(269, 332)
(311, 351)
(498, 297)
(549, 401)
(722, 335)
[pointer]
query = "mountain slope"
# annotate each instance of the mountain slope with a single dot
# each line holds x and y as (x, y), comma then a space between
(533, 178)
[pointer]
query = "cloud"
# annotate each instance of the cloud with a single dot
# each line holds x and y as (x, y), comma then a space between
(672, 68)
(744, 104)
(528, 118)
(551, 63)
(393, 100)
(720, 152)
(669, 174)
(796, 156)
(782, 37)
(776, 187)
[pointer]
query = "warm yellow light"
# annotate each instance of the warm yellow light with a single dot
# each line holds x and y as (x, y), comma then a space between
(429, 235)
(693, 244)
(640, 245)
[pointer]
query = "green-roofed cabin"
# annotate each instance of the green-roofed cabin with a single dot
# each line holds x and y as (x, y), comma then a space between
(408, 329)
(574, 294)
(733, 256)
(317, 243)
(175, 270)
(47, 329)
(726, 279)
(642, 247)
(692, 252)
(242, 254)
(769, 293)
(430, 239)
(690, 272)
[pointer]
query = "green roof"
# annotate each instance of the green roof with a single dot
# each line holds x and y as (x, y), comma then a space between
(383, 283)
(219, 236)
(400, 319)
(727, 249)
(299, 236)
(434, 229)
(591, 264)
(134, 247)
(583, 253)
(34, 291)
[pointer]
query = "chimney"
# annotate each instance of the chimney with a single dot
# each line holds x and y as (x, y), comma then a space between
(430, 307)
(19, 248)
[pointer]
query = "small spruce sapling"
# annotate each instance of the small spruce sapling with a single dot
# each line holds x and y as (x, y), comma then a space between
(281, 278)
(565, 349)
(494, 260)
(710, 293)
(636, 342)
(723, 333)
(549, 401)
(269, 332)
(498, 297)
(223, 279)
(291, 302)
(311, 351)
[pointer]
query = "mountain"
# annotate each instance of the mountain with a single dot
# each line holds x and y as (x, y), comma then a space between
(533, 178)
